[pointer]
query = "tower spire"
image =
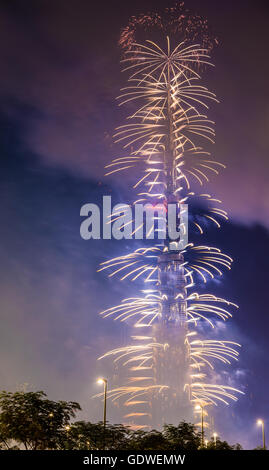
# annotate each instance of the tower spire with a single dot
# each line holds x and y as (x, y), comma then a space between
(164, 365)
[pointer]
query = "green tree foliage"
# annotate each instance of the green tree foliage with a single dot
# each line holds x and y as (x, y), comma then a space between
(222, 445)
(29, 418)
(86, 435)
(150, 440)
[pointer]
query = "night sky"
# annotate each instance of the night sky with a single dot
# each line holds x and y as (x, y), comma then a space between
(60, 74)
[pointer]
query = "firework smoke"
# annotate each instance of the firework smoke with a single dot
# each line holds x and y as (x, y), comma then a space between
(168, 362)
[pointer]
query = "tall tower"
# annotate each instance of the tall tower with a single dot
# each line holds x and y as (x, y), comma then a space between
(165, 364)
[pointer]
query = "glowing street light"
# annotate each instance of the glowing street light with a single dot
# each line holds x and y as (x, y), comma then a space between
(260, 422)
(104, 382)
(215, 438)
(200, 407)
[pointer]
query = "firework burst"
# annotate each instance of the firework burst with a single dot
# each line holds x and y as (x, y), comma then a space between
(167, 361)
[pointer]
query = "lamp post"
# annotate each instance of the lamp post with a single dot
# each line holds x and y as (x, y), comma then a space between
(260, 422)
(215, 438)
(104, 382)
(67, 429)
(200, 407)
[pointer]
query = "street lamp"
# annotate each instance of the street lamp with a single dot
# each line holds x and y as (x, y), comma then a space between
(200, 407)
(104, 382)
(260, 422)
(215, 438)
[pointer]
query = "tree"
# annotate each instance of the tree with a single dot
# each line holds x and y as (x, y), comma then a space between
(150, 440)
(31, 419)
(184, 436)
(86, 435)
(237, 446)
(222, 445)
